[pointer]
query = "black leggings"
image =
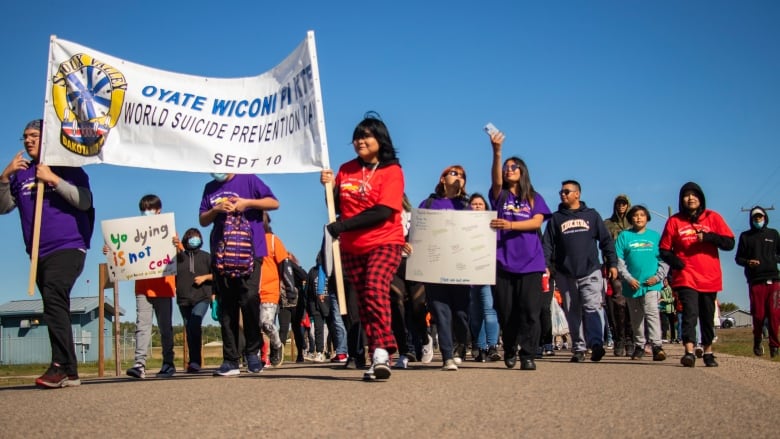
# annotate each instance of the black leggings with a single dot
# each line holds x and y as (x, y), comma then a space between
(698, 307)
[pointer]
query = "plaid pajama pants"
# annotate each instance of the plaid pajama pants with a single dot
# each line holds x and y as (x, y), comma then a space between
(371, 274)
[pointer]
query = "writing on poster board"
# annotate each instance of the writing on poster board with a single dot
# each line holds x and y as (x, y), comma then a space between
(452, 247)
(140, 247)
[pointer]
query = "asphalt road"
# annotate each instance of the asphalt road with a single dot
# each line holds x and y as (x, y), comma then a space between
(614, 398)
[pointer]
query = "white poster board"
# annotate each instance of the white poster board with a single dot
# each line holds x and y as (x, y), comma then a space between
(452, 247)
(140, 247)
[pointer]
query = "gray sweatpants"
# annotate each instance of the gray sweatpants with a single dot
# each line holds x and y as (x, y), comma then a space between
(162, 307)
(582, 304)
(644, 313)
(268, 323)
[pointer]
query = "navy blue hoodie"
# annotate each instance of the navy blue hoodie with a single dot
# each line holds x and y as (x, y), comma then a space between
(570, 241)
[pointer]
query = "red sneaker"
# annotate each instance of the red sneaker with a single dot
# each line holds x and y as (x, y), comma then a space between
(54, 378)
(339, 358)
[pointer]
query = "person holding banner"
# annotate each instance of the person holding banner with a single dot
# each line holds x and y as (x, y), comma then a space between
(246, 196)
(517, 294)
(68, 218)
(449, 304)
(369, 191)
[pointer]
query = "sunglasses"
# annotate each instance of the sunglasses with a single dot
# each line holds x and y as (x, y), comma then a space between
(455, 173)
(566, 191)
(513, 167)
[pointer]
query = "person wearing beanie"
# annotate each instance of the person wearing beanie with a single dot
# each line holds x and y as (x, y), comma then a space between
(689, 244)
(68, 219)
(617, 307)
(758, 251)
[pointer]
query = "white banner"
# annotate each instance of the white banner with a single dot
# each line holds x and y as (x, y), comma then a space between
(102, 109)
(452, 247)
(140, 247)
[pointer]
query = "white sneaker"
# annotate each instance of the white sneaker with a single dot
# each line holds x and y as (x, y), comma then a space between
(380, 367)
(450, 365)
(319, 357)
(427, 351)
(458, 361)
(402, 362)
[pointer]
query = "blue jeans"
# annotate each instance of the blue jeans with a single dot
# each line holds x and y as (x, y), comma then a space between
(193, 320)
(482, 317)
(336, 325)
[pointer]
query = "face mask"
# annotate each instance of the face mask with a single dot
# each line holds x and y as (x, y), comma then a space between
(758, 224)
(149, 212)
(194, 242)
(219, 177)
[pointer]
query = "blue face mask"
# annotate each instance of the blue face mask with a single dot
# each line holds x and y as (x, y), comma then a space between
(194, 242)
(149, 212)
(219, 177)
(758, 224)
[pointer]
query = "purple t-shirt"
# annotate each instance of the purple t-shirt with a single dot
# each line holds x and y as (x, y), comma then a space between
(443, 204)
(62, 226)
(516, 251)
(242, 186)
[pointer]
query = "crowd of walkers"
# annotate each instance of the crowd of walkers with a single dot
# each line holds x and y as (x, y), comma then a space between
(619, 284)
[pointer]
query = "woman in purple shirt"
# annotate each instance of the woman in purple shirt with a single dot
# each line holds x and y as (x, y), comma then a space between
(517, 295)
(449, 304)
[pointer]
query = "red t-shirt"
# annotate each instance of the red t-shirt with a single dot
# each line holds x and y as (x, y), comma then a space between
(360, 188)
(702, 264)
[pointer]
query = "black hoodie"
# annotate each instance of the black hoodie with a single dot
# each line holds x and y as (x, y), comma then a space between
(570, 241)
(761, 244)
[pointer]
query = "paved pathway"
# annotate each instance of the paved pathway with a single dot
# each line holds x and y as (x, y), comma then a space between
(614, 398)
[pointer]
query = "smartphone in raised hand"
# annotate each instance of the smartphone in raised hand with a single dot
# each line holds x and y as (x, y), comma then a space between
(490, 129)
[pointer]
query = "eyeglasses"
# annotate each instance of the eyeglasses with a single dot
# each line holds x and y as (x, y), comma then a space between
(31, 136)
(511, 168)
(455, 173)
(566, 192)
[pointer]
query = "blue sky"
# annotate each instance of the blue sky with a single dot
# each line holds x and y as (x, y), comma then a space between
(632, 97)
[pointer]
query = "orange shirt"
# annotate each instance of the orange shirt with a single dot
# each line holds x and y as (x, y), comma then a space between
(269, 274)
(156, 287)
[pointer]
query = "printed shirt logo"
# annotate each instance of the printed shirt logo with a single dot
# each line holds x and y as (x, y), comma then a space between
(575, 225)
(88, 97)
(355, 188)
(688, 232)
(641, 245)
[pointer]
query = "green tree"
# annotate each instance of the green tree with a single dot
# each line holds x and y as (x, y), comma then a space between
(728, 307)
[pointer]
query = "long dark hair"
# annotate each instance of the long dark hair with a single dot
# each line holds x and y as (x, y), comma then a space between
(439, 190)
(373, 124)
(525, 190)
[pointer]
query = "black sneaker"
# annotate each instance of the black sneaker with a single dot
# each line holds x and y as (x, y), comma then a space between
(639, 352)
(578, 357)
(619, 350)
(658, 353)
(481, 356)
(492, 354)
(276, 356)
(597, 352)
(758, 349)
(688, 360)
(709, 360)
(772, 351)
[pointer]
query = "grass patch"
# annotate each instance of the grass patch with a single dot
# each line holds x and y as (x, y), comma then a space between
(739, 342)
